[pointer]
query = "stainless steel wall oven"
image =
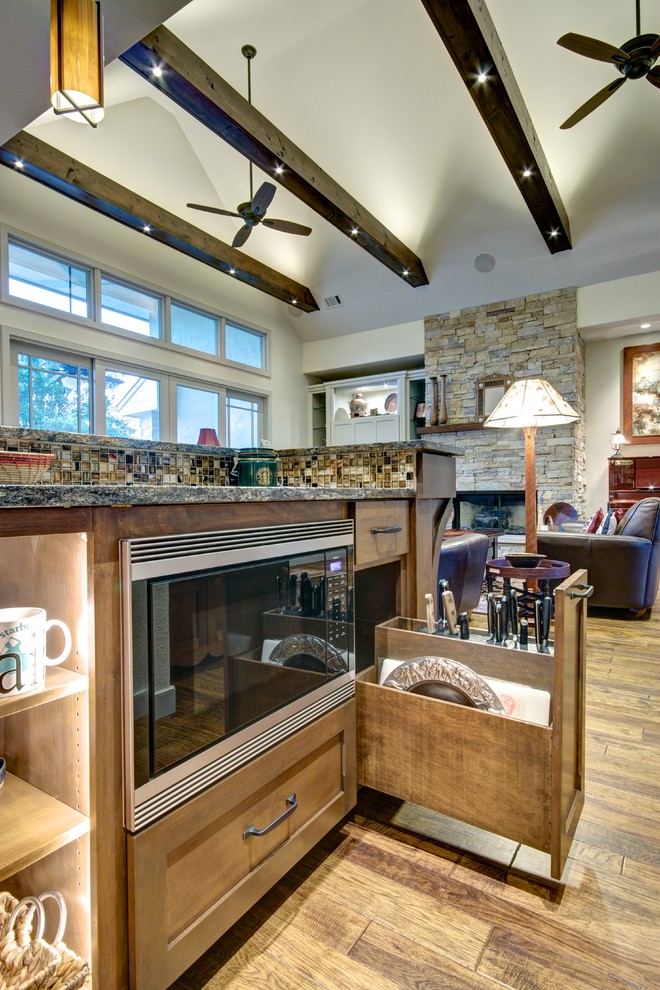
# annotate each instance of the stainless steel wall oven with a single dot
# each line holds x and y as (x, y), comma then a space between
(232, 641)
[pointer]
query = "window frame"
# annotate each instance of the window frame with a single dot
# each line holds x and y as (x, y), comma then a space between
(95, 273)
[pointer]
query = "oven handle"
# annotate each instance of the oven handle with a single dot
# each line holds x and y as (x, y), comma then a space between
(253, 830)
(387, 529)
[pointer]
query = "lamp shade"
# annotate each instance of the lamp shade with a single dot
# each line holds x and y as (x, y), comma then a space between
(208, 438)
(531, 402)
(76, 59)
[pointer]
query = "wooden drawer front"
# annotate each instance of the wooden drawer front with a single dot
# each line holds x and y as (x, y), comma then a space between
(192, 875)
(381, 531)
(216, 857)
(483, 769)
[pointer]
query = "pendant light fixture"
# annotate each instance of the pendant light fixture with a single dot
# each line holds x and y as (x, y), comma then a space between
(76, 59)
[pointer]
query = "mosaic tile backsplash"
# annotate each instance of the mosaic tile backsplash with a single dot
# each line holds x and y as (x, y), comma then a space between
(95, 460)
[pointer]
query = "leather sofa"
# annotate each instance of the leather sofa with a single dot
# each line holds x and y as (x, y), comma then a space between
(624, 568)
(462, 563)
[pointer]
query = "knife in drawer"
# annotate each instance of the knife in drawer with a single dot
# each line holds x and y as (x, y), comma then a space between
(430, 613)
(450, 611)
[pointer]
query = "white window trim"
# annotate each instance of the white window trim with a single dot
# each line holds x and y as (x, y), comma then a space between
(13, 338)
(94, 322)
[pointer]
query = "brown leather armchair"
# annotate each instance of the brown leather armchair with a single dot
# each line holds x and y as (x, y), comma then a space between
(462, 563)
(624, 568)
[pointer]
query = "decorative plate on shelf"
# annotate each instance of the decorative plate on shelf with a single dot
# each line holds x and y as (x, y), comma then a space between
(341, 413)
(446, 680)
(309, 653)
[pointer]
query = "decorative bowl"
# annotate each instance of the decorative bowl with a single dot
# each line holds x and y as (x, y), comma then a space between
(22, 468)
(524, 559)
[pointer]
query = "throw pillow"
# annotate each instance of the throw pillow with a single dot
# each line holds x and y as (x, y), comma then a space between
(592, 524)
(608, 525)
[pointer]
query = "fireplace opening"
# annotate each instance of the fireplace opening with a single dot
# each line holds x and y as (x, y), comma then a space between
(491, 510)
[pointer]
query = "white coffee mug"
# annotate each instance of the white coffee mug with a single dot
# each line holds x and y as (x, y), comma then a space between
(23, 659)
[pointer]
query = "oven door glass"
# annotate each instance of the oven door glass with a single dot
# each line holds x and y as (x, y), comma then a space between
(216, 650)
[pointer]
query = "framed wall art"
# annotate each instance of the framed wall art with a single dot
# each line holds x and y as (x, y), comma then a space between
(641, 393)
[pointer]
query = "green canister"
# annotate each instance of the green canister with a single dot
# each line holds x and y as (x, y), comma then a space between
(256, 467)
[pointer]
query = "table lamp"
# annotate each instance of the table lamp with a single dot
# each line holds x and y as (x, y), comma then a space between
(616, 441)
(529, 403)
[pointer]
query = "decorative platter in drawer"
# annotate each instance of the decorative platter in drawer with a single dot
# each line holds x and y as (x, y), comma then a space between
(446, 680)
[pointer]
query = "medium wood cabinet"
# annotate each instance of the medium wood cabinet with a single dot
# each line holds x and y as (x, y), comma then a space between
(518, 779)
(44, 736)
(197, 870)
(631, 479)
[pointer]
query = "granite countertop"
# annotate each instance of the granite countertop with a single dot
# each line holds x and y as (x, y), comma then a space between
(65, 496)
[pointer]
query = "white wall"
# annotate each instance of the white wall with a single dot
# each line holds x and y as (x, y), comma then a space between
(397, 344)
(34, 210)
(604, 404)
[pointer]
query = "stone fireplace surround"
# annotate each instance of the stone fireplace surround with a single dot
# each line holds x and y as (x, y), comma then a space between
(534, 336)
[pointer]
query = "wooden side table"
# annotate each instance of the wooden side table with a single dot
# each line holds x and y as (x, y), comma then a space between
(541, 576)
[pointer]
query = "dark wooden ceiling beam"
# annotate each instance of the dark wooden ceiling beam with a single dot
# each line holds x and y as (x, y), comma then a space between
(199, 90)
(469, 35)
(52, 168)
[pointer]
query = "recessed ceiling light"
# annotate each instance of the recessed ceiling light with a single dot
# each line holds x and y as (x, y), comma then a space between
(279, 169)
(294, 302)
(554, 232)
(146, 228)
(354, 232)
(18, 163)
(157, 71)
(527, 172)
(406, 273)
(645, 326)
(232, 271)
(482, 77)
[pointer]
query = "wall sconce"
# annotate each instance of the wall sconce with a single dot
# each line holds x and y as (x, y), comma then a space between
(76, 59)
(617, 439)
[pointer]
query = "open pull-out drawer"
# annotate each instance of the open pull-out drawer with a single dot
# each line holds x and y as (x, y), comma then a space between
(517, 779)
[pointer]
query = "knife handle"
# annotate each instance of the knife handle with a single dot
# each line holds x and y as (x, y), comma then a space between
(524, 634)
(450, 611)
(513, 612)
(546, 617)
(538, 624)
(464, 625)
(490, 612)
(430, 618)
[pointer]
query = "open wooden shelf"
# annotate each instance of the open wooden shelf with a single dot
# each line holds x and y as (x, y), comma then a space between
(60, 683)
(34, 825)
(449, 428)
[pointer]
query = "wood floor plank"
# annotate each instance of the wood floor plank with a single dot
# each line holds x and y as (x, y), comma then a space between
(522, 963)
(413, 966)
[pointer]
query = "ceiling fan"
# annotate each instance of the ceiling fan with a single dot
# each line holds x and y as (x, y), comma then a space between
(635, 59)
(253, 212)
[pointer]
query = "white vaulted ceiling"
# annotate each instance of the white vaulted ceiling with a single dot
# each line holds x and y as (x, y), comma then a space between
(367, 89)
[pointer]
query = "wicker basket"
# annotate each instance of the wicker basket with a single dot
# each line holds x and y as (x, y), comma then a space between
(21, 468)
(27, 962)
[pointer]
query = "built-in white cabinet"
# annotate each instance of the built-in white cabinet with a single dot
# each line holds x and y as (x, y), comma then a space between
(390, 406)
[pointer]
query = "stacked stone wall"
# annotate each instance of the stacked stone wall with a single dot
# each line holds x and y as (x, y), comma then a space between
(531, 337)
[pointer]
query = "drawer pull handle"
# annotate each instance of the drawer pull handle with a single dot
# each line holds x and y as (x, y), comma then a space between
(586, 591)
(253, 830)
(387, 529)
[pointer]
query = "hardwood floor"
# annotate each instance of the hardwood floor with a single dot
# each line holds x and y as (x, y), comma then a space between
(402, 899)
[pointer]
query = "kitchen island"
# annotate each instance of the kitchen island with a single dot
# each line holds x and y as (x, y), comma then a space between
(61, 542)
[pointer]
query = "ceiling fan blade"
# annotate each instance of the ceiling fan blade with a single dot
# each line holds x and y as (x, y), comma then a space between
(288, 226)
(654, 77)
(595, 101)
(263, 198)
(591, 48)
(241, 236)
(212, 209)
(655, 47)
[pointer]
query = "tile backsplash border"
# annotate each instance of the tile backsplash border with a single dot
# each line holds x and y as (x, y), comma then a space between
(89, 460)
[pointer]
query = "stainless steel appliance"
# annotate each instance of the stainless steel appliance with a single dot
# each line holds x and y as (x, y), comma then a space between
(232, 641)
